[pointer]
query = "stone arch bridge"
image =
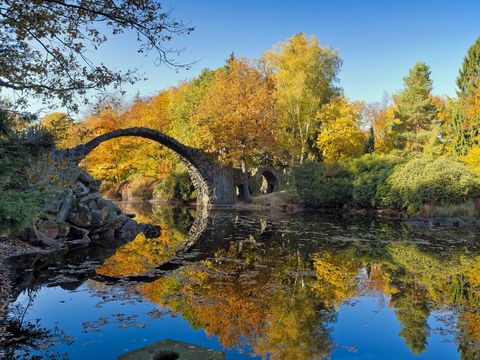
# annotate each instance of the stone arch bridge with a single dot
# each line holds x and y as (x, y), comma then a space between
(214, 183)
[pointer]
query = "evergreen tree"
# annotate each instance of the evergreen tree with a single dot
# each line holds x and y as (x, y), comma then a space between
(370, 143)
(470, 71)
(415, 108)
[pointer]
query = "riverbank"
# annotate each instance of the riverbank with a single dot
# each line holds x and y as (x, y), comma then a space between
(280, 202)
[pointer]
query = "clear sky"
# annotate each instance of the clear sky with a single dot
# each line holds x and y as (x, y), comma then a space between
(378, 41)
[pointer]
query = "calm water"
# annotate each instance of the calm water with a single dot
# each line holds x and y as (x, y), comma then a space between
(257, 286)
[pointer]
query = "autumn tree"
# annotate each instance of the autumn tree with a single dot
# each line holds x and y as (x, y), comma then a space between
(45, 45)
(61, 126)
(305, 76)
(340, 136)
(237, 115)
(185, 102)
(415, 109)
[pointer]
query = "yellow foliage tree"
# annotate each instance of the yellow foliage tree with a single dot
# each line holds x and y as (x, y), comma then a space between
(61, 126)
(341, 136)
(305, 75)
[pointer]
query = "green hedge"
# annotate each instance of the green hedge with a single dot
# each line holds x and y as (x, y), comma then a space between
(322, 185)
(177, 186)
(433, 181)
(385, 181)
(370, 174)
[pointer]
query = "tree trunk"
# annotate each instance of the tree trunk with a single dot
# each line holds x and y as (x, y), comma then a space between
(302, 152)
(246, 189)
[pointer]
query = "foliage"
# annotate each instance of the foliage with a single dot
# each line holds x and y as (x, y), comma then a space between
(470, 71)
(415, 108)
(45, 44)
(238, 130)
(20, 199)
(177, 186)
(321, 185)
(426, 180)
(384, 128)
(370, 175)
(61, 126)
(340, 135)
(305, 77)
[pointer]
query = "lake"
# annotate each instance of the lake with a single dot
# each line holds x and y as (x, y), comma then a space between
(255, 285)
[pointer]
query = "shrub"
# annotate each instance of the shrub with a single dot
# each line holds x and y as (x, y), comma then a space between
(177, 186)
(425, 180)
(370, 173)
(321, 185)
(20, 199)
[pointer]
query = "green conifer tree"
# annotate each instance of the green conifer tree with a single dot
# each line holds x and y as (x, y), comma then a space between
(470, 71)
(415, 108)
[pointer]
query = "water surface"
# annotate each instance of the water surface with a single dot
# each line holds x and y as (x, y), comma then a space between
(257, 285)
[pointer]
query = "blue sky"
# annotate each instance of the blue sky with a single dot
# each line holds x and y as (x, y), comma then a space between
(378, 41)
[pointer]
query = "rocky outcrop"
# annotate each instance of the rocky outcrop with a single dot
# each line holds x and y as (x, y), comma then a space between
(77, 215)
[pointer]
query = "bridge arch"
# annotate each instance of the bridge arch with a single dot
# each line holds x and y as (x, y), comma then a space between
(213, 183)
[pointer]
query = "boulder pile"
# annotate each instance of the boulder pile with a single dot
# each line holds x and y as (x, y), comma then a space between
(77, 215)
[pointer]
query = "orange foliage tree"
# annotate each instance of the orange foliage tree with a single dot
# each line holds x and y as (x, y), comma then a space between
(237, 115)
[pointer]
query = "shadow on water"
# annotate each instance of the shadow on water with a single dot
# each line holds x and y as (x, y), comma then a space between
(271, 285)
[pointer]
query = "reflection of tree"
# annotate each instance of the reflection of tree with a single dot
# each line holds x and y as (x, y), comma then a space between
(22, 339)
(412, 313)
(263, 288)
(336, 278)
(250, 296)
(143, 253)
(469, 339)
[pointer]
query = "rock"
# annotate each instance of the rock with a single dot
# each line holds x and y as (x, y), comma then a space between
(108, 215)
(92, 205)
(44, 240)
(151, 231)
(101, 203)
(86, 178)
(72, 174)
(80, 189)
(49, 228)
(46, 216)
(113, 208)
(97, 219)
(63, 229)
(131, 216)
(93, 196)
(78, 243)
(77, 232)
(109, 235)
(52, 207)
(66, 207)
(81, 217)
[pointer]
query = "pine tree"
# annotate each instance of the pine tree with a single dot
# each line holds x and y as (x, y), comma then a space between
(415, 108)
(370, 143)
(470, 71)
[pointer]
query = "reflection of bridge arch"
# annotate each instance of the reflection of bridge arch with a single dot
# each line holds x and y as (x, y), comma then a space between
(213, 182)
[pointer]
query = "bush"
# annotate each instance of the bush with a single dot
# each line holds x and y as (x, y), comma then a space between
(20, 198)
(321, 185)
(370, 173)
(437, 182)
(177, 186)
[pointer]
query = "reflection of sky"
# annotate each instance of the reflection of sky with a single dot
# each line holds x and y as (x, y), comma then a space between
(81, 306)
(364, 322)
(373, 329)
